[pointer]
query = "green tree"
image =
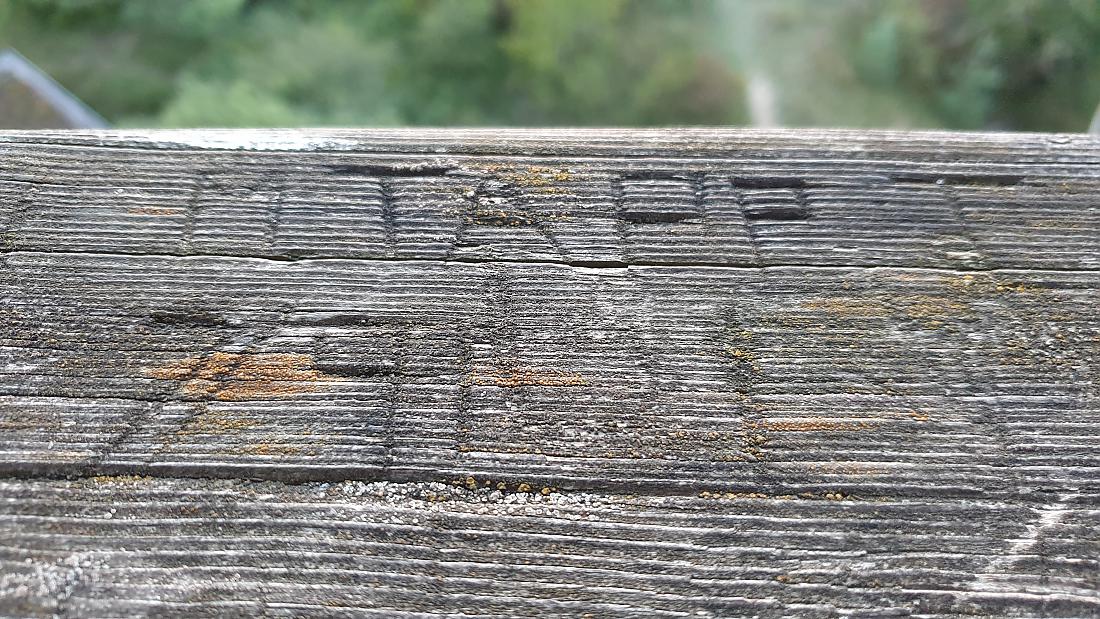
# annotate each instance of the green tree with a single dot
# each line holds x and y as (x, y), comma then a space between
(619, 62)
(964, 64)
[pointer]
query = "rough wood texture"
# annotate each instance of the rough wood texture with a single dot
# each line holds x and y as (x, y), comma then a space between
(536, 373)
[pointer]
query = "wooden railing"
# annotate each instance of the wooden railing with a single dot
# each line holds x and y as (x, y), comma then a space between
(542, 373)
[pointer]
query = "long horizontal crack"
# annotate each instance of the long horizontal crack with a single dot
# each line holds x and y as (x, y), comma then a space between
(585, 264)
(297, 473)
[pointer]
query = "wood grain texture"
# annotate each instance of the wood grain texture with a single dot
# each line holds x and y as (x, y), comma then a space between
(756, 373)
(163, 547)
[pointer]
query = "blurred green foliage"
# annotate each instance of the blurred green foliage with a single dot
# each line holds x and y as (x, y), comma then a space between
(963, 64)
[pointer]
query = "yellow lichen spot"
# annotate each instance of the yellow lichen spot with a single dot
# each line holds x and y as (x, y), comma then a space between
(740, 354)
(816, 425)
(272, 449)
(926, 307)
(545, 491)
(1018, 288)
(523, 488)
(126, 480)
(733, 495)
(471, 483)
(856, 308)
(533, 176)
(215, 422)
(962, 283)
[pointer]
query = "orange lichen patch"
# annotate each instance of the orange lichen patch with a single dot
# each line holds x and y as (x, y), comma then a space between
(244, 391)
(848, 307)
(919, 416)
(238, 376)
(150, 210)
(529, 377)
(753, 444)
(176, 371)
(815, 425)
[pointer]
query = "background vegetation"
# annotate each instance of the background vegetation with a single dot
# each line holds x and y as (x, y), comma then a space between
(963, 64)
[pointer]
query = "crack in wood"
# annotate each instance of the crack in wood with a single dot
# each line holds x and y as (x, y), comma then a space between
(384, 171)
(594, 264)
(768, 182)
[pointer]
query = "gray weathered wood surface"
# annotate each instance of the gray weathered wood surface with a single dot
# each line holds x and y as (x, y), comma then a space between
(539, 373)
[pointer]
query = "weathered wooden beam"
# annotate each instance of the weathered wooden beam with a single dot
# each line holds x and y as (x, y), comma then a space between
(686, 197)
(555, 372)
(169, 547)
